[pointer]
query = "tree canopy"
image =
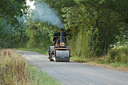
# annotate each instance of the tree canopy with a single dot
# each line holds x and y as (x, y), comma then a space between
(94, 26)
(11, 9)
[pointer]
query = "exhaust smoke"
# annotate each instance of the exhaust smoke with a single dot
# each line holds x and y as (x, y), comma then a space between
(44, 13)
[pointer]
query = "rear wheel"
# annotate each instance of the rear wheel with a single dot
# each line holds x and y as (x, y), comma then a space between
(50, 57)
(51, 51)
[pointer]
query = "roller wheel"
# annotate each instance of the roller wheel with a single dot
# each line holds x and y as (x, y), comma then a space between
(62, 59)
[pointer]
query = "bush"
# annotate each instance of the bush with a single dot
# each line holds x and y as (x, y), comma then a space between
(118, 55)
(79, 44)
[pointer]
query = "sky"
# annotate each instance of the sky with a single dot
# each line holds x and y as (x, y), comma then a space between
(44, 13)
(31, 4)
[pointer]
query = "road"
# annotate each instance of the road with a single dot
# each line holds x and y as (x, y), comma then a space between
(71, 73)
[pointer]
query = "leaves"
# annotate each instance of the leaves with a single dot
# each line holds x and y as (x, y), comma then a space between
(10, 9)
(101, 19)
(94, 25)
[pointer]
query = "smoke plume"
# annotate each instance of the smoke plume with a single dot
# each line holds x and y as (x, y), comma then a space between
(44, 13)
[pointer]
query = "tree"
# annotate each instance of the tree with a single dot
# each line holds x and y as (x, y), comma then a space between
(102, 20)
(11, 9)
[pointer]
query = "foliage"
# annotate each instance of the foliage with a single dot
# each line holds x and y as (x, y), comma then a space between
(78, 44)
(6, 34)
(38, 36)
(10, 12)
(11, 9)
(20, 39)
(103, 21)
(118, 55)
(95, 26)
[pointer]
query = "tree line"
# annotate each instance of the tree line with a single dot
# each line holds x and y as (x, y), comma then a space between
(94, 26)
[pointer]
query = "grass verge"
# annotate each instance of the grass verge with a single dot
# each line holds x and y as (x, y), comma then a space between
(41, 51)
(15, 71)
(38, 77)
(101, 62)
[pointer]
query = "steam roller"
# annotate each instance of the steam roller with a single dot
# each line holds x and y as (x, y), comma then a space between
(59, 52)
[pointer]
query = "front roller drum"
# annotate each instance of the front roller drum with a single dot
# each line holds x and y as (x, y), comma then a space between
(62, 56)
(62, 59)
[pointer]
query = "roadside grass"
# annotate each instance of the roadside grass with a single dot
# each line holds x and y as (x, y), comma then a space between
(14, 70)
(41, 51)
(79, 59)
(38, 77)
(102, 62)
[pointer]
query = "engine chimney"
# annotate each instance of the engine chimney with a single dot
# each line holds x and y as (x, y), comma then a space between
(61, 35)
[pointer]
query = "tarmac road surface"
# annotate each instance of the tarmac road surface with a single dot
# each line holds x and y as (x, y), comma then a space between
(70, 73)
